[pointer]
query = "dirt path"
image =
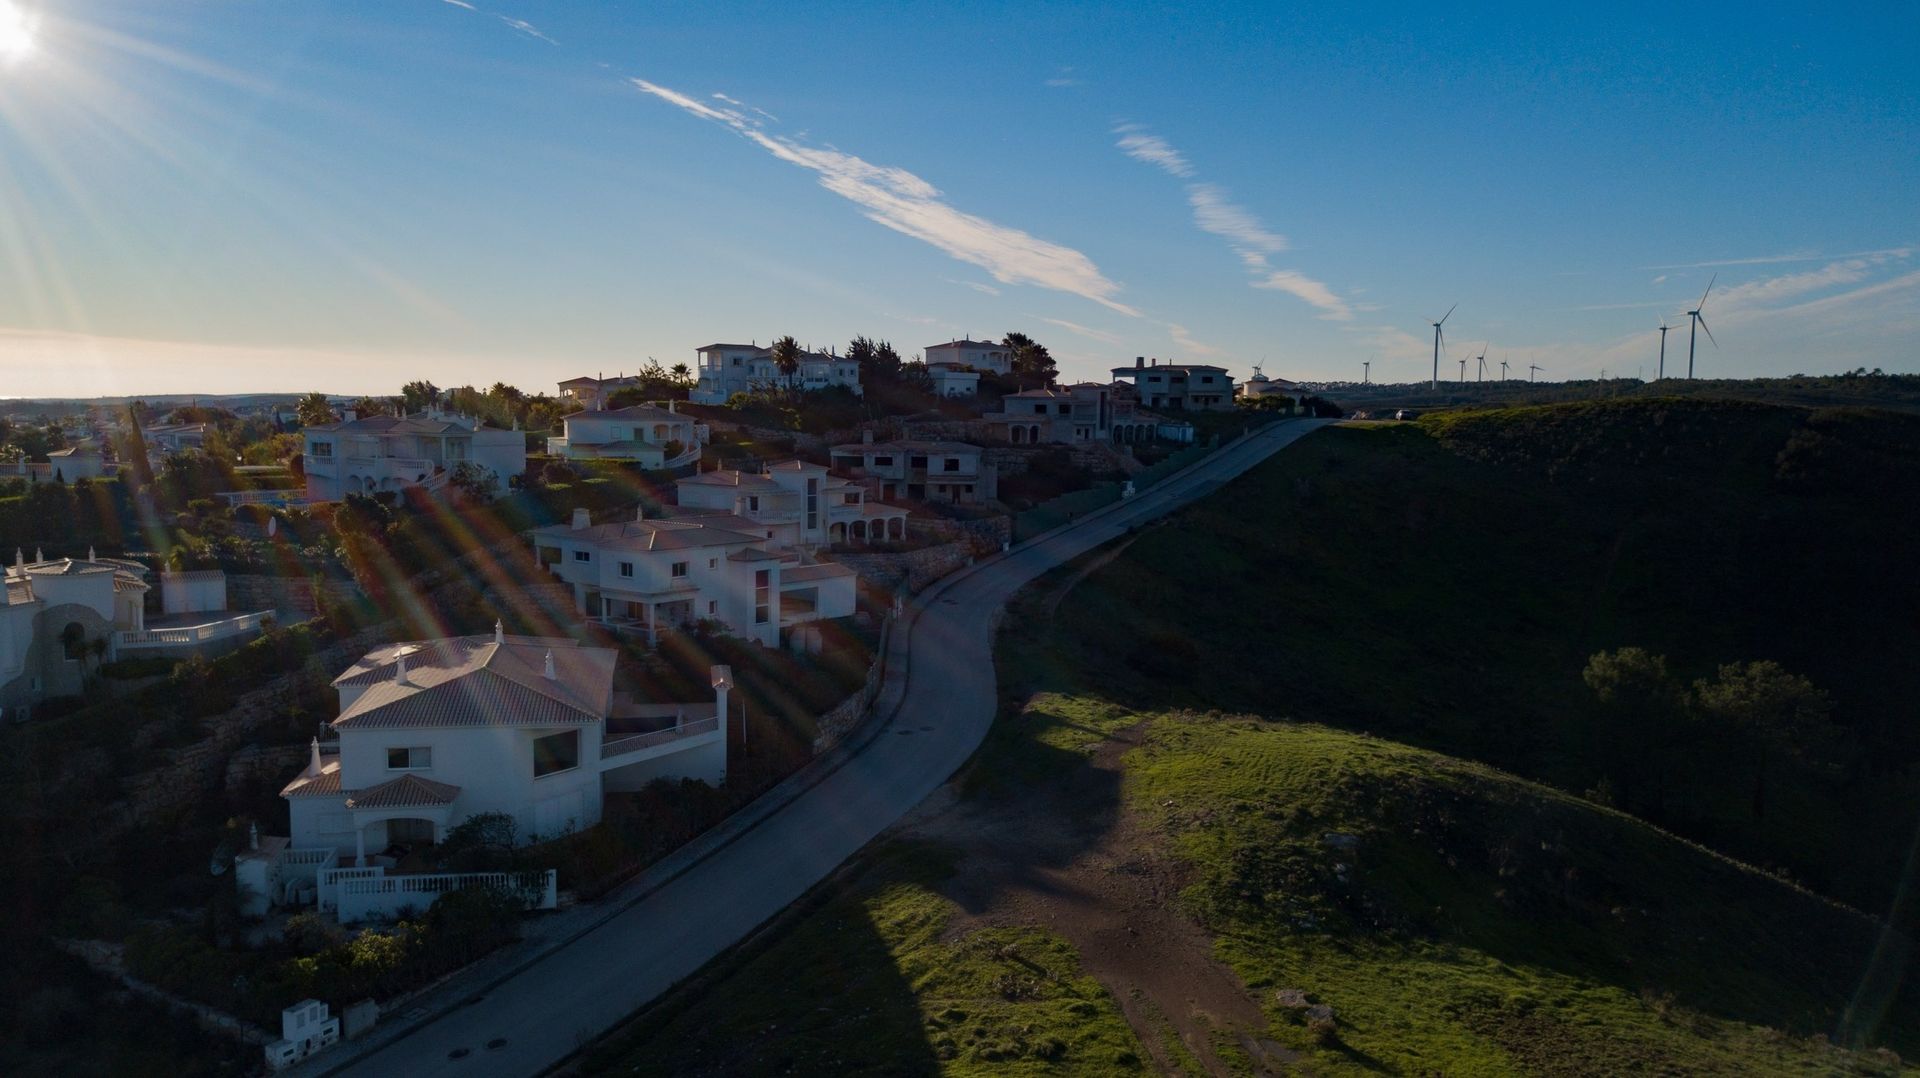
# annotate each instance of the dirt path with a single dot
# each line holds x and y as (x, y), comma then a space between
(1068, 857)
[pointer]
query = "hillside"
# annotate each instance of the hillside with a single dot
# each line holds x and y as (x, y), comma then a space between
(1445, 582)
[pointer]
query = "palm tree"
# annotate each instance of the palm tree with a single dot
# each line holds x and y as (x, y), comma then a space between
(681, 373)
(786, 356)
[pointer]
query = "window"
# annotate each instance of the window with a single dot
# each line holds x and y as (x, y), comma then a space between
(582, 555)
(917, 462)
(1064, 409)
(417, 758)
(883, 462)
(713, 563)
(323, 449)
(849, 499)
(753, 503)
(626, 568)
(951, 464)
(736, 361)
(968, 488)
(713, 607)
(679, 569)
(813, 503)
(555, 753)
(762, 590)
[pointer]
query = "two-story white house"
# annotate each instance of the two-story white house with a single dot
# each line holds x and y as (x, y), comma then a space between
(649, 574)
(434, 732)
(974, 355)
(1082, 412)
(1179, 386)
(726, 369)
(592, 392)
(645, 434)
(800, 503)
(919, 470)
(383, 452)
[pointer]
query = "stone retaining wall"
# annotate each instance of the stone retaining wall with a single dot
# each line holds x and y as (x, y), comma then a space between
(291, 598)
(844, 717)
(915, 568)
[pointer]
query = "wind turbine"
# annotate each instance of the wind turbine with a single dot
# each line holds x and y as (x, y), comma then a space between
(1483, 360)
(1533, 369)
(1366, 371)
(1663, 348)
(1438, 336)
(1503, 370)
(1463, 370)
(1699, 324)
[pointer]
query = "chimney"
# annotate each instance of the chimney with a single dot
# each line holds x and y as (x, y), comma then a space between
(400, 671)
(313, 757)
(1139, 362)
(640, 511)
(673, 407)
(866, 437)
(351, 415)
(253, 836)
(548, 672)
(90, 556)
(499, 632)
(581, 520)
(722, 683)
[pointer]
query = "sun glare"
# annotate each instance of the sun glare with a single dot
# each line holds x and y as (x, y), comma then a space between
(16, 33)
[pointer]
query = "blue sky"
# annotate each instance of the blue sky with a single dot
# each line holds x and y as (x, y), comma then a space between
(225, 197)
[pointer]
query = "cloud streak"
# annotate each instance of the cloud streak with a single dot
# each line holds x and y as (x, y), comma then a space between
(1088, 332)
(524, 27)
(1215, 213)
(897, 199)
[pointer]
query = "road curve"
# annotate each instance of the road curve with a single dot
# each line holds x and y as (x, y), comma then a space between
(935, 709)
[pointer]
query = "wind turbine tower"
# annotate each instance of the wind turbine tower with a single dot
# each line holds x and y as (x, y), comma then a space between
(1483, 360)
(1533, 369)
(1699, 323)
(1438, 336)
(1463, 370)
(1503, 370)
(1366, 371)
(1663, 349)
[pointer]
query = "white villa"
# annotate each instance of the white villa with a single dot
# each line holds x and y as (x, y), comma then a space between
(976, 355)
(82, 460)
(703, 565)
(1179, 386)
(593, 392)
(1083, 412)
(51, 611)
(726, 369)
(797, 503)
(920, 471)
(646, 434)
(435, 732)
(383, 452)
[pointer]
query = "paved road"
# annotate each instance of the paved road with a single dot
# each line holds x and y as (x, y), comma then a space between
(940, 697)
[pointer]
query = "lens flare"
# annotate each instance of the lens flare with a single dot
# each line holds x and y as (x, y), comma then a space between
(16, 33)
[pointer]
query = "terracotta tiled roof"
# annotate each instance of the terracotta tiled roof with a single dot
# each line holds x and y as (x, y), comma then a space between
(472, 681)
(325, 784)
(407, 791)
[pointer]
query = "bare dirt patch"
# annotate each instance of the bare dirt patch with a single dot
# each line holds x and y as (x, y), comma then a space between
(1068, 857)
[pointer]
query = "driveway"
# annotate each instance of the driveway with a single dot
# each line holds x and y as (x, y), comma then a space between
(935, 709)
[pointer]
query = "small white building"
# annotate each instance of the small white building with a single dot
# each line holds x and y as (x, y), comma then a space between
(951, 381)
(801, 503)
(383, 452)
(1179, 386)
(305, 1028)
(726, 369)
(973, 355)
(702, 565)
(645, 434)
(919, 470)
(435, 732)
(1082, 412)
(592, 392)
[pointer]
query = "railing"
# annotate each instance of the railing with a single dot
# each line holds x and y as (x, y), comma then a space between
(283, 498)
(328, 882)
(635, 742)
(192, 634)
(386, 896)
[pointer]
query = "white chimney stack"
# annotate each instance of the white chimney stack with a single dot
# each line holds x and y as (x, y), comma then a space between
(313, 757)
(549, 673)
(499, 632)
(400, 671)
(581, 520)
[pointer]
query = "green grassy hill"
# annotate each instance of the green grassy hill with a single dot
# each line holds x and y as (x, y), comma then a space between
(1459, 920)
(1444, 583)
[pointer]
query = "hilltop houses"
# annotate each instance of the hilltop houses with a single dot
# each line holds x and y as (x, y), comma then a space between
(1179, 386)
(797, 503)
(435, 732)
(974, 355)
(645, 575)
(644, 434)
(390, 453)
(726, 369)
(1082, 412)
(919, 470)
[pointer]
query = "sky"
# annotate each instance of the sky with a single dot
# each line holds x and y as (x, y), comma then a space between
(218, 196)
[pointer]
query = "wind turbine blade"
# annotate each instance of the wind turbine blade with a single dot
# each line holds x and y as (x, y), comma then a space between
(1703, 325)
(1703, 295)
(1449, 314)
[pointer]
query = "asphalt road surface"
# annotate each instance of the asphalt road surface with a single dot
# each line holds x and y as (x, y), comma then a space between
(937, 705)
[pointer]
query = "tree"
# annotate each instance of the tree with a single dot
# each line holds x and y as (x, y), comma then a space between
(367, 406)
(417, 396)
(1777, 712)
(474, 482)
(786, 356)
(1642, 721)
(313, 410)
(682, 374)
(1032, 365)
(135, 456)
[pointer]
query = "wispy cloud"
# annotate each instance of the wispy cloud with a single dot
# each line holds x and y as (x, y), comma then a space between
(1136, 142)
(902, 201)
(1769, 291)
(1064, 78)
(1215, 213)
(1797, 256)
(460, 3)
(1187, 344)
(986, 289)
(1088, 332)
(524, 27)
(1311, 291)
